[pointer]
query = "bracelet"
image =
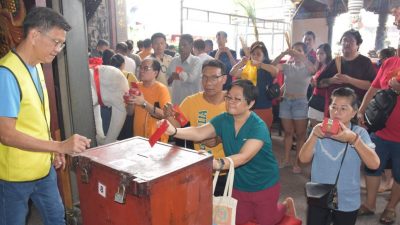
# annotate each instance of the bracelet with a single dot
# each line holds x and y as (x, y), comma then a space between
(176, 130)
(221, 163)
(355, 140)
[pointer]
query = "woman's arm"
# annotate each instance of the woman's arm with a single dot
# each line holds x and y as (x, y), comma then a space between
(367, 154)
(307, 150)
(367, 98)
(250, 148)
(347, 79)
(200, 133)
(273, 70)
(237, 69)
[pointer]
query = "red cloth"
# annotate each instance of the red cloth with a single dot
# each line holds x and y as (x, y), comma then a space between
(391, 132)
(287, 220)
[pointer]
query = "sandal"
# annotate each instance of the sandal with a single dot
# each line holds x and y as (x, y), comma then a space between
(388, 217)
(365, 211)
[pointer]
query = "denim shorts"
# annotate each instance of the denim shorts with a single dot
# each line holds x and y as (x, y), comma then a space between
(295, 109)
(386, 150)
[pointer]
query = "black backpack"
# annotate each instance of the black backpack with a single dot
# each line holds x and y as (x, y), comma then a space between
(379, 109)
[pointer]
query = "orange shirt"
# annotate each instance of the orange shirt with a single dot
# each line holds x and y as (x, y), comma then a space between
(143, 123)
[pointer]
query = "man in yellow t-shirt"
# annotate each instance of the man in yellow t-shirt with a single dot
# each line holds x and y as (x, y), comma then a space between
(153, 96)
(201, 107)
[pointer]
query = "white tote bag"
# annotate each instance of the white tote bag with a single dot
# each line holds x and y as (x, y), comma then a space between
(224, 207)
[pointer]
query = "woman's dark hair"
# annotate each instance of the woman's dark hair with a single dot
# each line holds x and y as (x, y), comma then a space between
(355, 34)
(348, 93)
(328, 52)
(260, 45)
(310, 33)
(117, 60)
(129, 43)
(387, 53)
(250, 92)
(304, 46)
(107, 54)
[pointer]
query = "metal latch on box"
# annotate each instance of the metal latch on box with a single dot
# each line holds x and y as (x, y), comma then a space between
(120, 196)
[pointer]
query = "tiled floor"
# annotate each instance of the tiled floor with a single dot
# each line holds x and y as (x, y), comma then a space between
(293, 186)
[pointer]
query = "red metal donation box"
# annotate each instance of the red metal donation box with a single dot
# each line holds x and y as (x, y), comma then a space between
(129, 183)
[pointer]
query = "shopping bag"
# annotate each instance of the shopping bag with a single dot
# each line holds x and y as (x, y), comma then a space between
(250, 73)
(224, 207)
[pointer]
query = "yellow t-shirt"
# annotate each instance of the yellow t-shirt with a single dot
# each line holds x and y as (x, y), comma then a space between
(143, 123)
(199, 112)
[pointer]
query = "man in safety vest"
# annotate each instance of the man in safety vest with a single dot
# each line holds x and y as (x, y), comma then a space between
(28, 155)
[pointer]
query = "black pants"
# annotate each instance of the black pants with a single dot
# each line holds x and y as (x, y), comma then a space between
(320, 216)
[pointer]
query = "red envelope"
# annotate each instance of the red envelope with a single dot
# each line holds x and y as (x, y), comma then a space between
(157, 135)
(180, 116)
(178, 69)
(134, 90)
(330, 126)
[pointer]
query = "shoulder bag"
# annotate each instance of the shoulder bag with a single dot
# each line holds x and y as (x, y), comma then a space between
(224, 207)
(324, 195)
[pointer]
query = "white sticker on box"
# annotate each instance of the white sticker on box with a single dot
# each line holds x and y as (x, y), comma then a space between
(101, 189)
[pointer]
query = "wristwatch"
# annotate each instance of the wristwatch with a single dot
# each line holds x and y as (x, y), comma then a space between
(144, 104)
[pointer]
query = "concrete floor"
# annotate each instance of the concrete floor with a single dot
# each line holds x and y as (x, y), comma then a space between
(293, 186)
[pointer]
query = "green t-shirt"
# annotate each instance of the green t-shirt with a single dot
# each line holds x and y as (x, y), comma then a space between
(262, 170)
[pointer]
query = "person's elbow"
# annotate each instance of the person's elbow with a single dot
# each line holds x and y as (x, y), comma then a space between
(304, 158)
(374, 164)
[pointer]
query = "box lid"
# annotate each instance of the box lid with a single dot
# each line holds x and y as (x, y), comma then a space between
(135, 157)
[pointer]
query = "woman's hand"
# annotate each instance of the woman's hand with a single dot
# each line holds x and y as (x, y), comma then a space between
(361, 119)
(211, 142)
(317, 131)
(394, 84)
(256, 63)
(243, 61)
(345, 135)
(343, 78)
(168, 110)
(170, 129)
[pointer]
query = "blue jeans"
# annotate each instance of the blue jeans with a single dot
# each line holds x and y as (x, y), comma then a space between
(14, 197)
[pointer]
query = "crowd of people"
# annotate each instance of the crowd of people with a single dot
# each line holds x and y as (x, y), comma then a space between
(228, 112)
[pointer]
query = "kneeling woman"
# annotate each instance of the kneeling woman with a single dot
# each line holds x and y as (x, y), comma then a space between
(247, 142)
(326, 154)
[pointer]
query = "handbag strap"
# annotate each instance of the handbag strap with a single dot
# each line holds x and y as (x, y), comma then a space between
(341, 163)
(229, 180)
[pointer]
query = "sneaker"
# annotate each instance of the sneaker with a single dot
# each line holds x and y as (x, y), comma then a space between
(296, 169)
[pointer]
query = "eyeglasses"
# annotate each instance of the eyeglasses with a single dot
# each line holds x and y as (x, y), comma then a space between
(212, 79)
(145, 68)
(57, 44)
(235, 100)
